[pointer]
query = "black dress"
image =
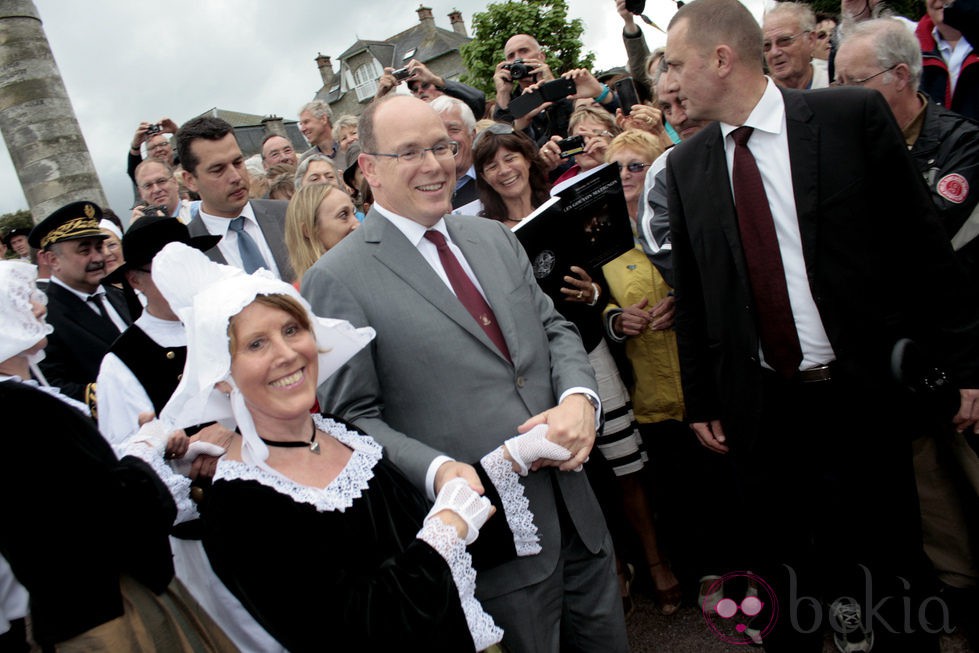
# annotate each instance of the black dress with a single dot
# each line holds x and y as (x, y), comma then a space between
(348, 567)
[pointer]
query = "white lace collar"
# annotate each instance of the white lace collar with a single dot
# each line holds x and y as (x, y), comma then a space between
(339, 494)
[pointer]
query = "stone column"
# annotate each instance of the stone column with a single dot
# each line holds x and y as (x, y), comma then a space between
(36, 117)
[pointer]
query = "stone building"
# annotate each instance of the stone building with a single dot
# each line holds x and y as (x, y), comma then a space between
(349, 90)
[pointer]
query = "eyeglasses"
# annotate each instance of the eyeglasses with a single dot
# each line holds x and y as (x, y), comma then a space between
(634, 166)
(783, 41)
(861, 82)
(445, 150)
(162, 181)
(498, 128)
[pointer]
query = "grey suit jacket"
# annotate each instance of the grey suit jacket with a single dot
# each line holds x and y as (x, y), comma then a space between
(271, 217)
(433, 383)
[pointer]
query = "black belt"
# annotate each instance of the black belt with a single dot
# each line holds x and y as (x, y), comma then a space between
(815, 374)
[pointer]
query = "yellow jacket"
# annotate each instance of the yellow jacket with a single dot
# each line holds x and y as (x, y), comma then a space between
(656, 392)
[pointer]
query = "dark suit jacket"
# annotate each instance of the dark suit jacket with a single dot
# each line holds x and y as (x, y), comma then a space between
(879, 263)
(80, 339)
(271, 217)
(433, 383)
(468, 193)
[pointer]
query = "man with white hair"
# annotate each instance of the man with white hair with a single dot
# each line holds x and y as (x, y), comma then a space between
(460, 122)
(316, 124)
(790, 37)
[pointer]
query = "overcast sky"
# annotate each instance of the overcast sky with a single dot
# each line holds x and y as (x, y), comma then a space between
(124, 61)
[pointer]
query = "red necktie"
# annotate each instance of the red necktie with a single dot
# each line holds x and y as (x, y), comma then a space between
(467, 292)
(776, 326)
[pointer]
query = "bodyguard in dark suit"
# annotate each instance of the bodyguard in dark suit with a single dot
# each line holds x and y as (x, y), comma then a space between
(794, 220)
(87, 317)
(468, 350)
(253, 233)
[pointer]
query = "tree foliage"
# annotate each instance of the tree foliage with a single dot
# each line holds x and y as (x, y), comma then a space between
(545, 20)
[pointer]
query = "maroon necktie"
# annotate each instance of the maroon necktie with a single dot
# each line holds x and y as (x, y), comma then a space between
(467, 292)
(776, 326)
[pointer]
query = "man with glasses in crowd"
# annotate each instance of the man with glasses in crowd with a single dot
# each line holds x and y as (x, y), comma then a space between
(158, 187)
(469, 351)
(790, 36)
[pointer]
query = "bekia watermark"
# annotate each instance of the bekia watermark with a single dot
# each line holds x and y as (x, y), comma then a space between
(751, 620)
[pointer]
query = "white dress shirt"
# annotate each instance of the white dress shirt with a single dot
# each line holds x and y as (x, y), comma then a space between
(121, 397)
(954, 56)
(415, 233)
(217, 226)
(770, 146)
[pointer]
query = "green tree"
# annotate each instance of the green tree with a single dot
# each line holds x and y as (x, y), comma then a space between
(545, 20)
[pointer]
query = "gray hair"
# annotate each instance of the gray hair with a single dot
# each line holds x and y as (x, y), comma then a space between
(304, 166)
(346, 121)
(802, 13)
(893, 44)
(445, 104)
(318, 108)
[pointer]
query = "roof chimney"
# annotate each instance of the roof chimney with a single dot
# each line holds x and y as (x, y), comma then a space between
(326, 70)
(273, 125)
(425, 16)
(458, 26)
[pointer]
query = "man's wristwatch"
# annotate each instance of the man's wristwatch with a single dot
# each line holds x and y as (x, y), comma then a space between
(598, 411)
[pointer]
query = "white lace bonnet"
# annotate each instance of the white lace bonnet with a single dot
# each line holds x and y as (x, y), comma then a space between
(205, 295)
(20, 329)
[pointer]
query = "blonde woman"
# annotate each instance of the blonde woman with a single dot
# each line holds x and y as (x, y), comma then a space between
(318, 217)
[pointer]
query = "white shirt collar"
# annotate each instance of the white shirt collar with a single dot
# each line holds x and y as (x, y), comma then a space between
(218, 226)
(767, 116)
(77, 293)
(413, 231)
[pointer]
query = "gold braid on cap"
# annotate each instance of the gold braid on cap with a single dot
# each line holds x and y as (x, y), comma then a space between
(74, 228)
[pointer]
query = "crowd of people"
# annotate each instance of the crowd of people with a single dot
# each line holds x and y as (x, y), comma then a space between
(321, 399)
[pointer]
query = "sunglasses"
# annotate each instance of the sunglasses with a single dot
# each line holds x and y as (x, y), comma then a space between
(634, 166)
(498, 128)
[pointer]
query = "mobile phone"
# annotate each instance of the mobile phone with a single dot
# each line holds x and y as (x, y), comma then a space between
(571, 146)
(625, 89)
(557, 89)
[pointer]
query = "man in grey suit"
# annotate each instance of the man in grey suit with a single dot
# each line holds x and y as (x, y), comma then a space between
(253, 233)
(468, 352)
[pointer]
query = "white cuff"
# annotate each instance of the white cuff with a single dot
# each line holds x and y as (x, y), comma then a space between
(433, 468)
(516, 506)
(444, 539)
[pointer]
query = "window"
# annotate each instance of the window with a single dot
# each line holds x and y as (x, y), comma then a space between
(408, 55)
(365, 78)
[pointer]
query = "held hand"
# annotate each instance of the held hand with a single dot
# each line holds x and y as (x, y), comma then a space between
(627, 17)
(452, 469)
(191, 463)
(456, 502)
(422, 74)
(633, 320)
(168, 126)
(595, 147)
(586, 84)
(580, 289)
(711, 435)
(551, 153)
(663, 314)
(968, 415)
(177, 444)
(524, 450)
(385, 83)
(540, 68)
(214, 434)
(503, 84)
(571, 425)
(140, 135)
(643, 117)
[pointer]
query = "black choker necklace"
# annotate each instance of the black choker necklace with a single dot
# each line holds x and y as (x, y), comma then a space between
(289, 444)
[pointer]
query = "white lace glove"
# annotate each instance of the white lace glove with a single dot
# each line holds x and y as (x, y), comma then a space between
(183, 464)
(530, 447)
(457, 496)
(151, 434)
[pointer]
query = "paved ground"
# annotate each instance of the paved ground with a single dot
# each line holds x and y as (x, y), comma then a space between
(687, 632)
